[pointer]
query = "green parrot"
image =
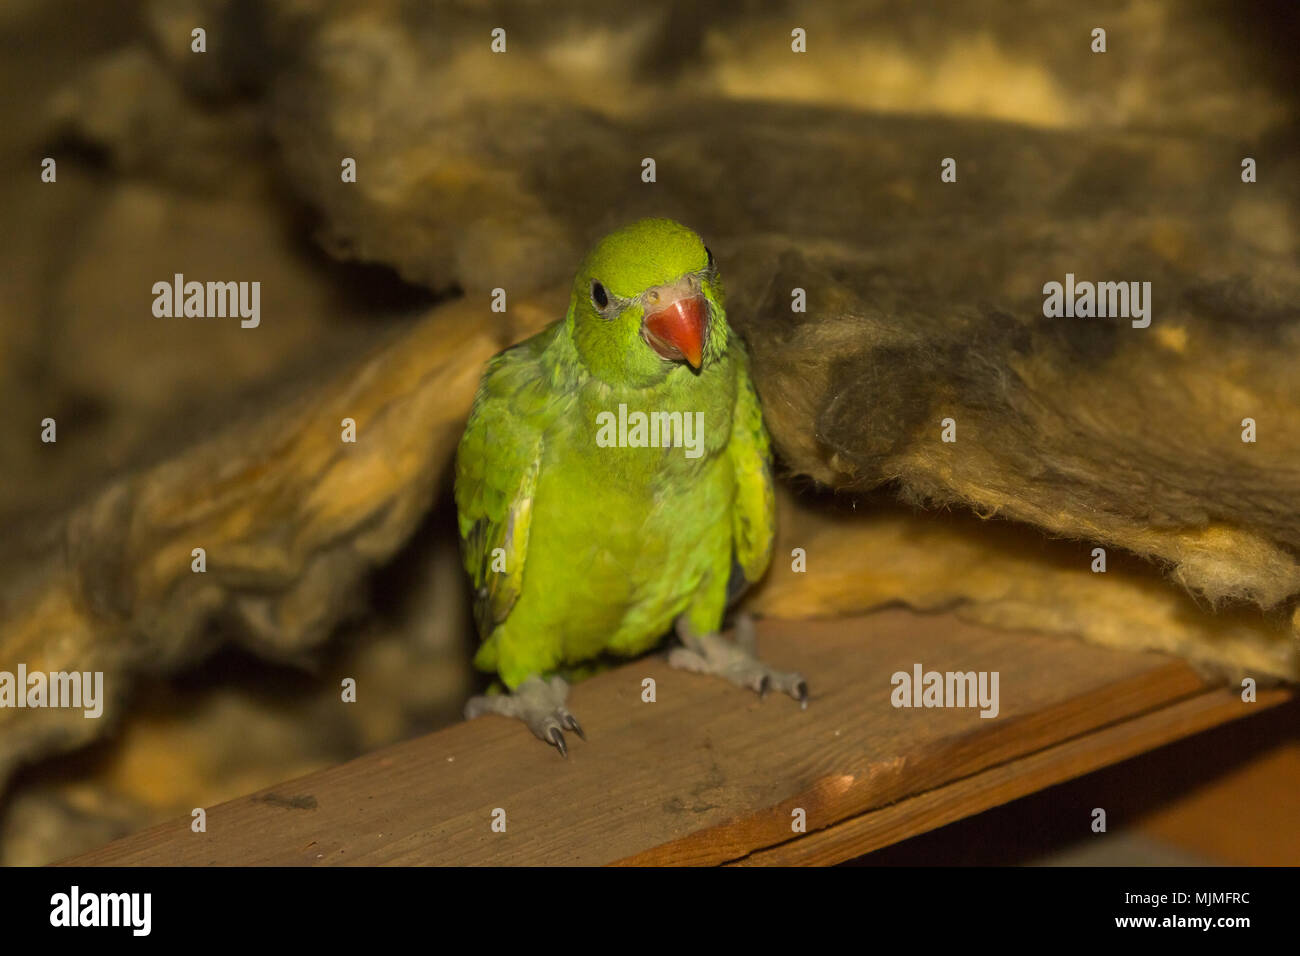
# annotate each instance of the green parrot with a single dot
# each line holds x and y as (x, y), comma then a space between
(614, 481)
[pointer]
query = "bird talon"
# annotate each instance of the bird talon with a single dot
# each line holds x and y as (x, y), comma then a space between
(572, 723)
(557, 738)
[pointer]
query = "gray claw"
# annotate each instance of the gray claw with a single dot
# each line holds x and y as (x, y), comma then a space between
(557, 738)
(539, 703)
(572, 723)
(735, 661)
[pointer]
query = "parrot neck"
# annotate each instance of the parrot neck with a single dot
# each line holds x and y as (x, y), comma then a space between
(685, 410)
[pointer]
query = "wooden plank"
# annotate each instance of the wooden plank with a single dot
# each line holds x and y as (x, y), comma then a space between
(706, 774)
(1012, 780)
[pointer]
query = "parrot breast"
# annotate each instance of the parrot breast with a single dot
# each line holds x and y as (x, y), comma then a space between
(632, 514)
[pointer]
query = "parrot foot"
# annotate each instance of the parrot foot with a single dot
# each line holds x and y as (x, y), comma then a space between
(539, 703)
(736, 661)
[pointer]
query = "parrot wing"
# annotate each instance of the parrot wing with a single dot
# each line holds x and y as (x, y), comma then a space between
(753, 520)
(497, 463)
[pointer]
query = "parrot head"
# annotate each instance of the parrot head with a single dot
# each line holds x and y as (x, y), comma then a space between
(647, 303)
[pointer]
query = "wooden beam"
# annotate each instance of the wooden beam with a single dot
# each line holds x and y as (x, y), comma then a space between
(709, 774)
(1009, 781)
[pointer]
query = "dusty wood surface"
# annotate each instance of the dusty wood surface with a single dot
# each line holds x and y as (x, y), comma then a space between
(1010, 781)
(708, 774)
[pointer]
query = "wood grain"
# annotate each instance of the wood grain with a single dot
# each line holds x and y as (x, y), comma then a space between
(708, 773)
(1010, 781)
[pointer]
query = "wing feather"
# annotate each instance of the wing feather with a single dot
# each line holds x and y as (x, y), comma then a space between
(753, 521)
(497, 464)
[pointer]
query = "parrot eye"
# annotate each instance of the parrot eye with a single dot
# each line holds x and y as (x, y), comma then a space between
(599, 296)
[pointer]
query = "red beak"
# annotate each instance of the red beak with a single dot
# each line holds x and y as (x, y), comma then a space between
(677, 330)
